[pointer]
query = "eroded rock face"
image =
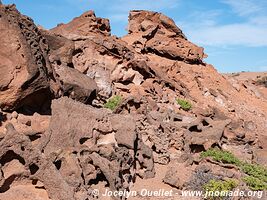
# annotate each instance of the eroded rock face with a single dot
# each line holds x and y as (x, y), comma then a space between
(101, 139)
(152, 32)
(16, 146)
(205, 134)
(24, 70)
(141, 20)
(97, 57)
(60, 49)
(81, 145)
(84, 25)
(149, 140)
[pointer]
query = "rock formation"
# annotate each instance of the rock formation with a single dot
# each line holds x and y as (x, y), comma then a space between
(84, 25)
(156, 33)
(25, 69)
(59, 139)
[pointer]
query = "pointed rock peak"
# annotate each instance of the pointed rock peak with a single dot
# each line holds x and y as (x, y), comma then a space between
(88, 14)
(142, 21)
(84, 25)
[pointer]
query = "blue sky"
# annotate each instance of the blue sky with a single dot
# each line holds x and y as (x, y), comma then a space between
(233, 32)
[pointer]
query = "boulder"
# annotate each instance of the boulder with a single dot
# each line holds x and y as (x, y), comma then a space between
(72, 124)
(60, 49)
(76, 85)
(172, 178)
(204, 134)
(125, 132)
(260, 156)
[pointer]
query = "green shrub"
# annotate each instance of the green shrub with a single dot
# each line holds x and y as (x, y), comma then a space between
(255, 170)
(185, 105)
(220, 187)
(113, 102)
(255, 183)
(221, 156)
(257, 174)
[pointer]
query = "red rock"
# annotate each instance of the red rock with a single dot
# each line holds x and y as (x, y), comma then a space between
(24, 69)
(84, 25)
(76, 85)
(156, 33)
(60, 49)
(75, 148)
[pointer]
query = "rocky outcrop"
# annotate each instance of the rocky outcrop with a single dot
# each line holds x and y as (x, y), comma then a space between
(25, 69)
(169, 107)
(84, 25)
(97, 57)
(80, 145)
(40, 68)
(18, 147)
(100, 138)
(152, 32)
(141, 21)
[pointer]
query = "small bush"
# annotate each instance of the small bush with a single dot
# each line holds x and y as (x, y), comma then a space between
(185, 105)
(217, 186)
(255, 183)
(256, 177)
(255, 170)
(113, 102)
(221, 156)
